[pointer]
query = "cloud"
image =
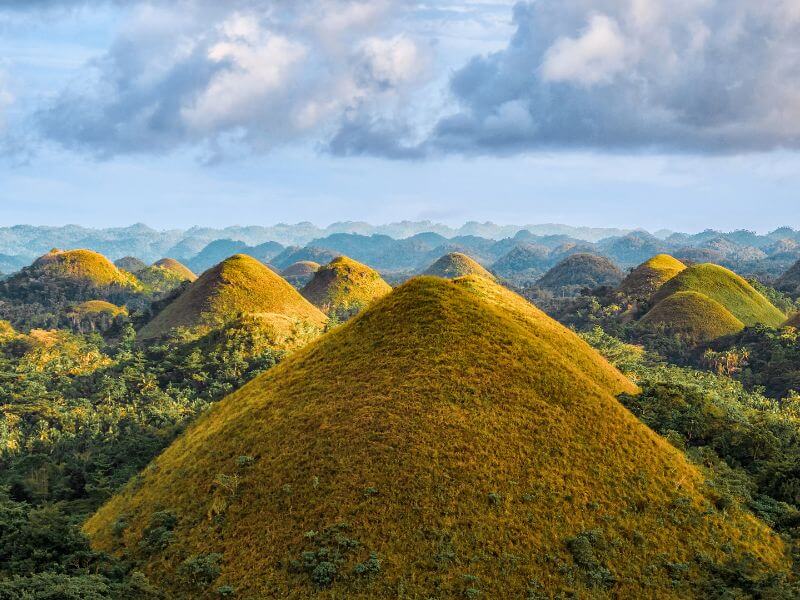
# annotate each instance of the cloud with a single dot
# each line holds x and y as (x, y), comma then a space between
(252, 75)
(707, 76)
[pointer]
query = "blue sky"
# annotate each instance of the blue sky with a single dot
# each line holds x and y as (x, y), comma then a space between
(681, 115)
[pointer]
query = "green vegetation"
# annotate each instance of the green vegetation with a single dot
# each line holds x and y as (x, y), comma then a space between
(343, 287)
(164, 276)
(498, 459)
(238, 285)
(692, 316)
(646, 279)
(455, 265)
(726, 288)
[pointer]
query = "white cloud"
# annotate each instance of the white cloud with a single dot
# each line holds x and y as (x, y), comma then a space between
(595, 56)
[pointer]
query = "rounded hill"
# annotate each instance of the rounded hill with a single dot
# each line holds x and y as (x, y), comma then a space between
(131, 264)
(456, 264)
(344, 286)
(646, 279)
(445, 443)
(789, 282)
(580, 271)
(239, 284)
(693, 316)
(300, 273)
(728, 289)
(81, 266)
(165, 275)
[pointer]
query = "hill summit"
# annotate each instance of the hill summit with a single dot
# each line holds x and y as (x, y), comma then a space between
(646, 279)
(450, 441)
(300, 273)
(165, 275)
(239, 284)
(727, 288)
(693, 316)
(580, 271)
(454, 265)
(344, 286)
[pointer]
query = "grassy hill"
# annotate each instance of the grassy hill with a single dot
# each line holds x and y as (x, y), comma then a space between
(693, 316)
(580, 271)
(63, 276)
(344, 286)
(131, 264)
(454, 265)
(728, 289)
(449, 442)
(239, 284)
(646, 279)
(165, 275)
(300, 273)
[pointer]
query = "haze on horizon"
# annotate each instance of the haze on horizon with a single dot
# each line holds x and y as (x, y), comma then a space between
(620, 113)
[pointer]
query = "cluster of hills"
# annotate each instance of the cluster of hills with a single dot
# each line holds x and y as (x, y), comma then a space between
(450, 439)
(518, 253)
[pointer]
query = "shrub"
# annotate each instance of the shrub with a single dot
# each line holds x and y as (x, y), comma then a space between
(200, 570)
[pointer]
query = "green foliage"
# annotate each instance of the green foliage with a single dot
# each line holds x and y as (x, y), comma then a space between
(200, 571)
(158, 534)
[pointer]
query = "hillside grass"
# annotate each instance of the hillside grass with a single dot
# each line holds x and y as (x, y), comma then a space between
(728, 289)
(344, 285)
(98, 307)
(455, 265)
(692, 316)
(238, 285)
(473, 447)
(83, 266)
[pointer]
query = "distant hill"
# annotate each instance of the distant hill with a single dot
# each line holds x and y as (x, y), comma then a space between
(70, 276)
(728, 289)
(451, 441)
(693, 316)
(131, 264)
(165, 275)
(789, 282)
(580, 271)
(646, 279)
(455, 265)
(294, 254)
(239, 284)
(300, 273)
(524, 261)
(344, 286)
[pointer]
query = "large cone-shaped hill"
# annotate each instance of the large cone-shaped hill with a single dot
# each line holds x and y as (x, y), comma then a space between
(454, 265)
(728, 289)
(239, 284)
(581, 271)
(74, 275)
(345, 286)
(165, 275)
(450, 438)
(693, 316)
(646, 279)
(300, 273)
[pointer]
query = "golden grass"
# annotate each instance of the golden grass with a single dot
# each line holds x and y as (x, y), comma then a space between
(301, 268)
(646, 279)
(693, 316)
(176, 267)
(455, 265)
(728, 289)
(343, 285)
(461, 434)
(239, 284)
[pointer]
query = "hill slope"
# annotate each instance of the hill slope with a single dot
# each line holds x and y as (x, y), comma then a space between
(789, 282)
(456, 264)
(580, 271)
(165, 275)
(727, 288)
(693, 316)
(344, 286)
(646, 279)
(130, 264)
(239, 284)
(443, 443)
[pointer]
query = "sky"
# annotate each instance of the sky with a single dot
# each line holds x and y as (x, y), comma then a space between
(681, 114)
